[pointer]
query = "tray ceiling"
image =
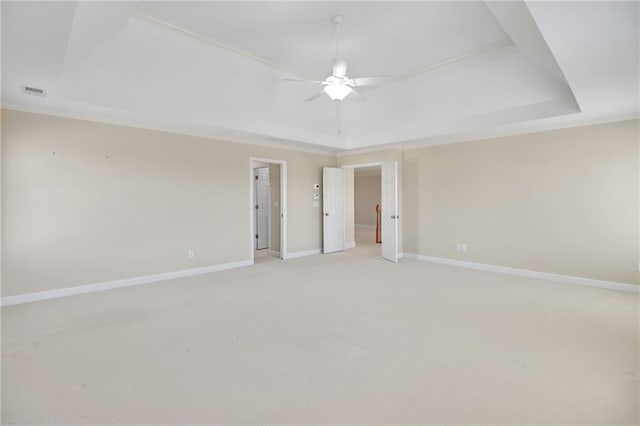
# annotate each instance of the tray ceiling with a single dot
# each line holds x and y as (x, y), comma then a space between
(217, 69)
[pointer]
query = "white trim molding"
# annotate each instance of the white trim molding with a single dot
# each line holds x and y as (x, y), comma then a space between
(213, 133)
(305, 253)
(110, 285)
(610, 285)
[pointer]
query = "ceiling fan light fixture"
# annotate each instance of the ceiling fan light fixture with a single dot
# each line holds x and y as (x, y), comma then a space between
(337, 91)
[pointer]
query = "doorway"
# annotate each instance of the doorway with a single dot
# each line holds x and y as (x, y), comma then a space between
(367, 191)
(371, 209)
(268, 207)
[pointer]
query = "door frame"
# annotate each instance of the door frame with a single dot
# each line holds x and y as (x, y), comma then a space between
(283, 207)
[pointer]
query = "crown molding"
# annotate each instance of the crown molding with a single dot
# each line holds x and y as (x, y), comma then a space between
(268, 142)
(537, 126)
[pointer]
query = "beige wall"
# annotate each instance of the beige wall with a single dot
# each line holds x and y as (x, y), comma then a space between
(86, 202)
(367, 191)
(563, 201)
(116, 202)
(274, 197)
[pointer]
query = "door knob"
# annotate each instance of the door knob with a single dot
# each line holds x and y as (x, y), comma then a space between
(326, 214)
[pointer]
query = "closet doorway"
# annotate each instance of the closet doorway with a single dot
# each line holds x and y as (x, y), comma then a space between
(268, 207)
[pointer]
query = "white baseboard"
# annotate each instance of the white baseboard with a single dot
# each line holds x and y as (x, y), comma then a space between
(274, 253)
(611, 285)
(109, 285)
(303, 253)
(349, 244)
(361, 226)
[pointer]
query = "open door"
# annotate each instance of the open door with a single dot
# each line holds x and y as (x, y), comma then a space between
(332, 209)
(389, 222)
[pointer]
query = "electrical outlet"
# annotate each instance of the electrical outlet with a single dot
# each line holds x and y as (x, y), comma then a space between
(461, 247)
(191, 253)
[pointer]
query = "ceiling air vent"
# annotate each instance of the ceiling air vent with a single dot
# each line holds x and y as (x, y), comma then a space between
(30, 90)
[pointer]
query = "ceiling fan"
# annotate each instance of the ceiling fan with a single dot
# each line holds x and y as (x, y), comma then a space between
(338, 85)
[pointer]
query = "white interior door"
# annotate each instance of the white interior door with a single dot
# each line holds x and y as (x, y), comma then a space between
(390, 218)
(262, 208)
(332, 209)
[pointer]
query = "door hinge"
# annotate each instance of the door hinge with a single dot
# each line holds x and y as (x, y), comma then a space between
(256, 207)
(256, 177)
(256, 235)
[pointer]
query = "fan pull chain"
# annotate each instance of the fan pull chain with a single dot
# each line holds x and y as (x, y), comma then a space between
(336, 21)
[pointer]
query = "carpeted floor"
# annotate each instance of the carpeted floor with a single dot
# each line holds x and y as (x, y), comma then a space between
(339, 338)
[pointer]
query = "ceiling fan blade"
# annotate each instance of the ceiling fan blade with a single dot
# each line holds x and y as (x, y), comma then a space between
(356, 95)
(359, 95)
(314, 97)
(372, 81)
(339, 68)
(297, 80)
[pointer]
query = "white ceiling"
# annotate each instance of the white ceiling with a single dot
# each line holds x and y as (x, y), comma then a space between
(216, 69)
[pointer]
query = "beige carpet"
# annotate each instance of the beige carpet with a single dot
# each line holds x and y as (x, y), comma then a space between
(340, 338)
